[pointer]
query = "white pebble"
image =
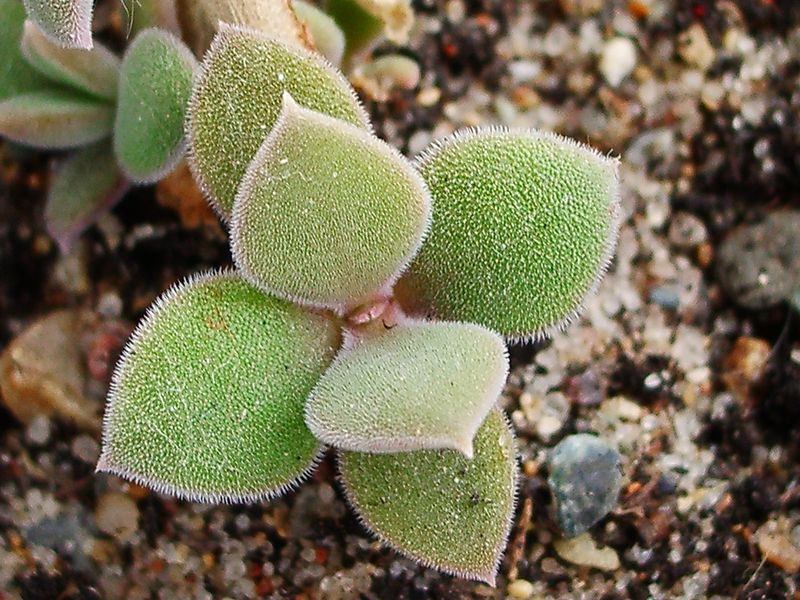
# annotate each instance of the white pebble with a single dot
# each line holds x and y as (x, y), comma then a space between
(618, 60)
(117, 515)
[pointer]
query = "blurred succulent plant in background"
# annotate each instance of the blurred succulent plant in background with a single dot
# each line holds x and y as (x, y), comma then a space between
(372, 296)
(121, 118)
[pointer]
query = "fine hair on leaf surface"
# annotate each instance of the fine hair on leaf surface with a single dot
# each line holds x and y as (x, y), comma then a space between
(84, 186)
(67, 23)
(524, 226)
(419, 385)
(327, 215)
(154, 88)
(94, 72)
(438, 507)
(55, 119)
(207, 399)
(237, 97)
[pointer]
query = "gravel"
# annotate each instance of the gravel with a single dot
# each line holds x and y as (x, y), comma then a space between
(698, 392)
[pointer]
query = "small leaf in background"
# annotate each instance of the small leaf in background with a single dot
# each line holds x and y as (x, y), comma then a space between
(326, 35)
(361, 29)
(16, 75)
(524, 226)
(55, 119)
(237, 98)
(84, 186)
(94, 71)
(437, 507)
(155, 84)
(207, 399)
(419, 385)
(67, 23)
(795, 300)
(378, 78)
(200, 20)
(327, 214)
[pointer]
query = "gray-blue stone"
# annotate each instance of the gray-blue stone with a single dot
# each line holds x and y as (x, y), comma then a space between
(585, 479)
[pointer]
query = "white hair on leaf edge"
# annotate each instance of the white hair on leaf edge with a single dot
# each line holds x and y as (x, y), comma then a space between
(489, 577)
(106, 463)
(220, 44)
(615, 208)
(291, 108)
(389, 445)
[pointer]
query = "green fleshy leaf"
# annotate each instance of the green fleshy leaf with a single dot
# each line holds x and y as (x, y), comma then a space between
(16, 75)
(94, 71)
(436, 506)
(360, 28)
(420, 385)
(207, 399)
(524, 226)
(237, 98)
(55, 119)
(795, 300)
(155, 84)
(86, 185)
(328, 38)
(327, 215)
(67, 23)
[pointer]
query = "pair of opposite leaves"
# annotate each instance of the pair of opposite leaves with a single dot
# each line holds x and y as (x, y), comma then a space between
(209, 399)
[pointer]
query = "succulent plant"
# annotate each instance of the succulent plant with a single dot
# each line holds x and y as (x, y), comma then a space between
(372, 297)
(369, 309)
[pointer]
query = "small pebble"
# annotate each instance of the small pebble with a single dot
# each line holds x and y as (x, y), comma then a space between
(521, 588)
(777, 547)
(38, 432)
(85, 448)
(585, 479)
(617, 60)
(584, 552)
(695, 47)
(759, 265)
(117, 515)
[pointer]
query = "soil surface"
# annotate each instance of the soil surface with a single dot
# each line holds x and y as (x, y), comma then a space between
(700, 393)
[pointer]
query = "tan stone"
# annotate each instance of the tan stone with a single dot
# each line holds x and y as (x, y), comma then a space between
(42, 372)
